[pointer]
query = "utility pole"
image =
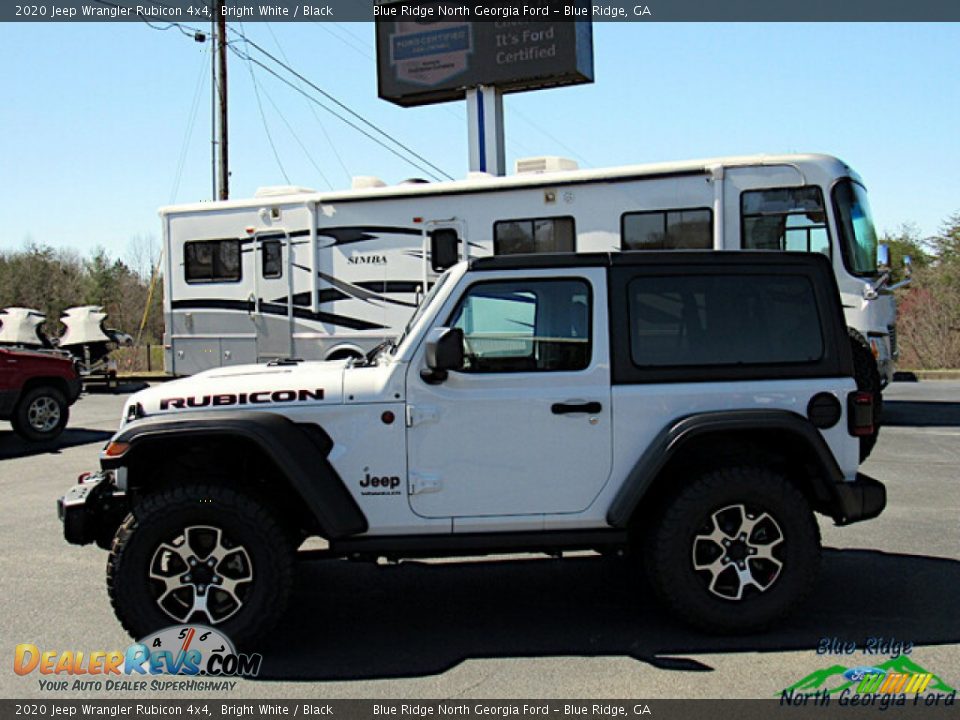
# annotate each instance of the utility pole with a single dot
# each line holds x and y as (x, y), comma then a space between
(222, 90)
(213, 108)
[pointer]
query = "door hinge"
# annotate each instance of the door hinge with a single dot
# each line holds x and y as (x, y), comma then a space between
(417, 415)
(422, 483)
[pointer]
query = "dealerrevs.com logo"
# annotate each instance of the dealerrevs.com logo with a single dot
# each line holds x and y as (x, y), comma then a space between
(190, 650)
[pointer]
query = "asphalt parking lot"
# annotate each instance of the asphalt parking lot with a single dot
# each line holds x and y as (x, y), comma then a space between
(528, 627)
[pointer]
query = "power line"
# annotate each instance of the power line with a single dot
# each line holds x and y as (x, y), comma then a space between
(297, 138)
(188, 135)
(325, 26)
(199, 36)
(559, 142)
(193, 32)
(313, 111)
(348, 122)
(263, 117)
(344, 107)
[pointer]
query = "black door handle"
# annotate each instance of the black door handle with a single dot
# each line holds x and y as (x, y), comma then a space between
(563, 408)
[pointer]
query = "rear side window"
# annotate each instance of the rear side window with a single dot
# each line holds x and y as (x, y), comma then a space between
(534, 235)
(207, 261)
(784, 219)
(667, 230)
(730, 320)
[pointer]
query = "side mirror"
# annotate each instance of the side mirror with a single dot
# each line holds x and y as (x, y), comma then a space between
(444, 249)
(883, 256)
(907, 265)
(444, 353)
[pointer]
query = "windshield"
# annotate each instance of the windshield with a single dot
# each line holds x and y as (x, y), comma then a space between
(421, 309)
(858, 238)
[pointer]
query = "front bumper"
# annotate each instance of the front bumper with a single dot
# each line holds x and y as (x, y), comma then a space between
(92, 510)
(862, 499)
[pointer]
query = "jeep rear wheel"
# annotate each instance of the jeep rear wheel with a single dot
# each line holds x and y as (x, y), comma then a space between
(736, 550)
(41, 414)
(203, 553)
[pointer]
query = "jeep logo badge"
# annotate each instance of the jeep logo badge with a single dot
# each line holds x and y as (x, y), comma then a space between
(384, 485)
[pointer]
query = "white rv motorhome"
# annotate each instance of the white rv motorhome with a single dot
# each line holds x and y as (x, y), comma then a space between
(294, 273)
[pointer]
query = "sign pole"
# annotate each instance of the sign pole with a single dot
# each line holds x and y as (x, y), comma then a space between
(485, 130)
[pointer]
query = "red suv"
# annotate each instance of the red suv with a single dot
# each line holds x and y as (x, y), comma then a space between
(36, 392)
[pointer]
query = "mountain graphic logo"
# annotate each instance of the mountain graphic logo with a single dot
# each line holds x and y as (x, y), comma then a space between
(837, 678)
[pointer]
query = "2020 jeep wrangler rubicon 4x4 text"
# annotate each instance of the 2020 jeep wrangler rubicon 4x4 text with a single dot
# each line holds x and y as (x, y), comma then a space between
(697, 408)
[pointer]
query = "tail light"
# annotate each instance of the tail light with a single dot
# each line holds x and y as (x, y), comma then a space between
(860, 413)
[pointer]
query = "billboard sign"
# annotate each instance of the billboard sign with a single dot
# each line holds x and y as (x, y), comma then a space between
(420, 62)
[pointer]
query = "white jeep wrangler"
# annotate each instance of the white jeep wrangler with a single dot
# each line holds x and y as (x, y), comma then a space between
(694, 407)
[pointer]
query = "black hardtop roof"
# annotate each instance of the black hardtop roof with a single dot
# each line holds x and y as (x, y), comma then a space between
(687, 258)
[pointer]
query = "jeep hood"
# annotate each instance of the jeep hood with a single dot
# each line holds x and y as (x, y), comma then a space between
(246, 386)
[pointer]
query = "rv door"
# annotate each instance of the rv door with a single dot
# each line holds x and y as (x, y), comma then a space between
(271, 308)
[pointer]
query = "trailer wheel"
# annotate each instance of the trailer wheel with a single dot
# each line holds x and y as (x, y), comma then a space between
(867, 377)
(41, 414)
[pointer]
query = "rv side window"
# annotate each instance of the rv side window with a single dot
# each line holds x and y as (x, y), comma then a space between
(211, 261)
(784, 219)
(667, 230)
(534, 235)
(272, 258)
(731, 320)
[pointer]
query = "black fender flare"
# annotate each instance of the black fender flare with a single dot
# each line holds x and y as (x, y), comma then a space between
(674, 436)
(299, 451)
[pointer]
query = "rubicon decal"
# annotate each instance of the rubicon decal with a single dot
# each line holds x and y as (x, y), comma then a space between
(260, 397)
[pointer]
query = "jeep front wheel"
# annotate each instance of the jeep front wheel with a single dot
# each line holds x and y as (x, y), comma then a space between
(736, 550)
(203, 553)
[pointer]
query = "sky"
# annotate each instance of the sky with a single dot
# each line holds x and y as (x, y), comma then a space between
(97, 117)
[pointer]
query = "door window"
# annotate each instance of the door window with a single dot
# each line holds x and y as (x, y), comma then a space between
(526, 326)
(272, 258)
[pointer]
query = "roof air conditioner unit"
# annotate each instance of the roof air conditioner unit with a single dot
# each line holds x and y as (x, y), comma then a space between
(280, 190)
(365, 182)
(544, 164)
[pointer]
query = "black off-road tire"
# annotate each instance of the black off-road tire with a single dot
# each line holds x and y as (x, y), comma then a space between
(669, 550)
(867, 377)
(246, 521)
(41, 414)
